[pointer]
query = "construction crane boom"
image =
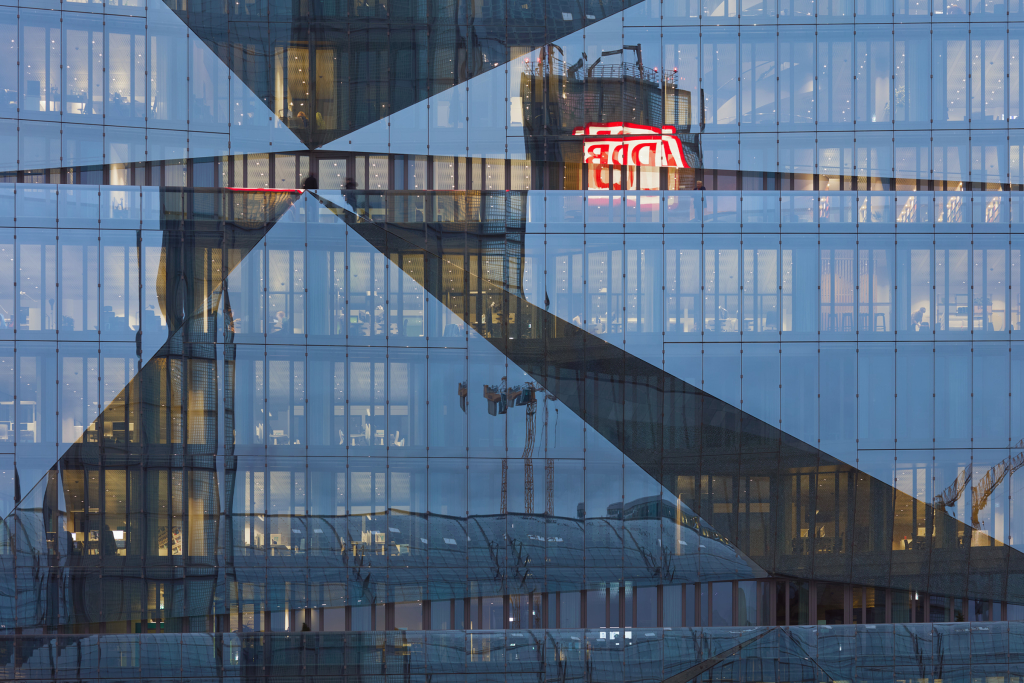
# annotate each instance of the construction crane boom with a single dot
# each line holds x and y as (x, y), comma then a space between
(984, 488)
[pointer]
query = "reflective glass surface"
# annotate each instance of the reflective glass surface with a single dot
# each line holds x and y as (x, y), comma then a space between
(607, 341)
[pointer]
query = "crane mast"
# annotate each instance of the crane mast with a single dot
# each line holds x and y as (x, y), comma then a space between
(500, 398)
(531, 435)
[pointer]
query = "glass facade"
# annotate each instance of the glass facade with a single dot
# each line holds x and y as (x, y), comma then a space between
(537, 340)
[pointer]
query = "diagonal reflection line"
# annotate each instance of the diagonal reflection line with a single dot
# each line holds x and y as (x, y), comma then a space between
(242, 219)
(195, 225)
(555, 361)
(580, 369)
(695, 671)
(686, 439)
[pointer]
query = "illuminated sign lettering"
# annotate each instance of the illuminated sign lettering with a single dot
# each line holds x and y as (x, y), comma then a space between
(644, 146)
(631, 145)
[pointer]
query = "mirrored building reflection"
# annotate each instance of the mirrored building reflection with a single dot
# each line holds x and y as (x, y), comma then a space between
(652, 341)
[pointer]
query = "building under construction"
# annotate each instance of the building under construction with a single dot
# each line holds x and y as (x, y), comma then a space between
(559, 98)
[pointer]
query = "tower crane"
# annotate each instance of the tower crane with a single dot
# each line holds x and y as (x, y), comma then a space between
(984, 488)
(500, 398)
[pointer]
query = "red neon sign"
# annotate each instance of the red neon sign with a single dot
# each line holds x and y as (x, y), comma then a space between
(645, 146)
(631, 145)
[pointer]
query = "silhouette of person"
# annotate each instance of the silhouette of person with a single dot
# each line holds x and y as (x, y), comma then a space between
(350, 197)
(109, 544)
(918, 318)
